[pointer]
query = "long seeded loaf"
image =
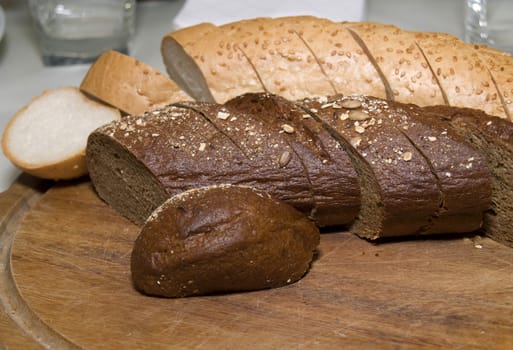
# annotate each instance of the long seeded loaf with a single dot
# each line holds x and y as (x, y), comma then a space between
(299, 57)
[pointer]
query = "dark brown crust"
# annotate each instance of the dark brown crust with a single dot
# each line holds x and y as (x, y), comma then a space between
(493, 137)
(262, 149)
(328, 167)
(398, 195)
(221, 239)
(462, 172)
(182, 149)
(446, 181)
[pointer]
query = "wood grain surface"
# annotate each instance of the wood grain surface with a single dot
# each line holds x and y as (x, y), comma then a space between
(69, 264)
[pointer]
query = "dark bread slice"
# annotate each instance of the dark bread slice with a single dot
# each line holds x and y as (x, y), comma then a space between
(221, 239)
(399, 192)
(462, 172)
(493, 136)
(119, 167)
(328, 167)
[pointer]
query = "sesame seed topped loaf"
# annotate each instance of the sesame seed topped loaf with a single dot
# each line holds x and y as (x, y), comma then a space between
(222, 239)
(384, 168)
(305, 56)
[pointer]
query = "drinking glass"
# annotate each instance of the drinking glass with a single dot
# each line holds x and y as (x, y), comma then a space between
(490, 22)
(78, 31)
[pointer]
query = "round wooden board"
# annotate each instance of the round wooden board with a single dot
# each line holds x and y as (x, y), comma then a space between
(70, 264)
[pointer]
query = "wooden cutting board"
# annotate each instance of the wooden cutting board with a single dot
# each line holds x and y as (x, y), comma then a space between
(65, 283)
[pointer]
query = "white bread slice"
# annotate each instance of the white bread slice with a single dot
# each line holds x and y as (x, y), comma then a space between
(182, 68)
(130, 85)
(47, 137)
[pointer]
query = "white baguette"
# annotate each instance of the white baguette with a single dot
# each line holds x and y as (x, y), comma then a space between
(305, 56)
(47, 137)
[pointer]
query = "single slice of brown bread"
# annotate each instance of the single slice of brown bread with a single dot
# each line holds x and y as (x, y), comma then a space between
(328, 167)
(494, 138)
(462, 172)
(399, 192)
(221, 239)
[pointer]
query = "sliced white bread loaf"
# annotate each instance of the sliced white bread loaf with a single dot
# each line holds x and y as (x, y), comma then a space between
(305, 56)
(130, 85)
(47, 137)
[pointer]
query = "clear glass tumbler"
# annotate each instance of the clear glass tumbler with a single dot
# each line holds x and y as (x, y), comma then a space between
(78, 31)
(490, 22)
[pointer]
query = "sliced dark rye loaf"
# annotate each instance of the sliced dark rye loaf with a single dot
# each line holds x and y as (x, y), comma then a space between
(139, 162)
(493, 137)
(329, 169)
(408, 169)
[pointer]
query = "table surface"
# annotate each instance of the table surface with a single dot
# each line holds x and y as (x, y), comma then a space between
(23, 75)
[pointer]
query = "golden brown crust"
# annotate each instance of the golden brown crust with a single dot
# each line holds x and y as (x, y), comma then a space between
(276, 43)
(462, 75)
(500, 67)
(222, 65)
(305, 56)
(395, 52)
(70, 168)
(341, 58)
(129, 85)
